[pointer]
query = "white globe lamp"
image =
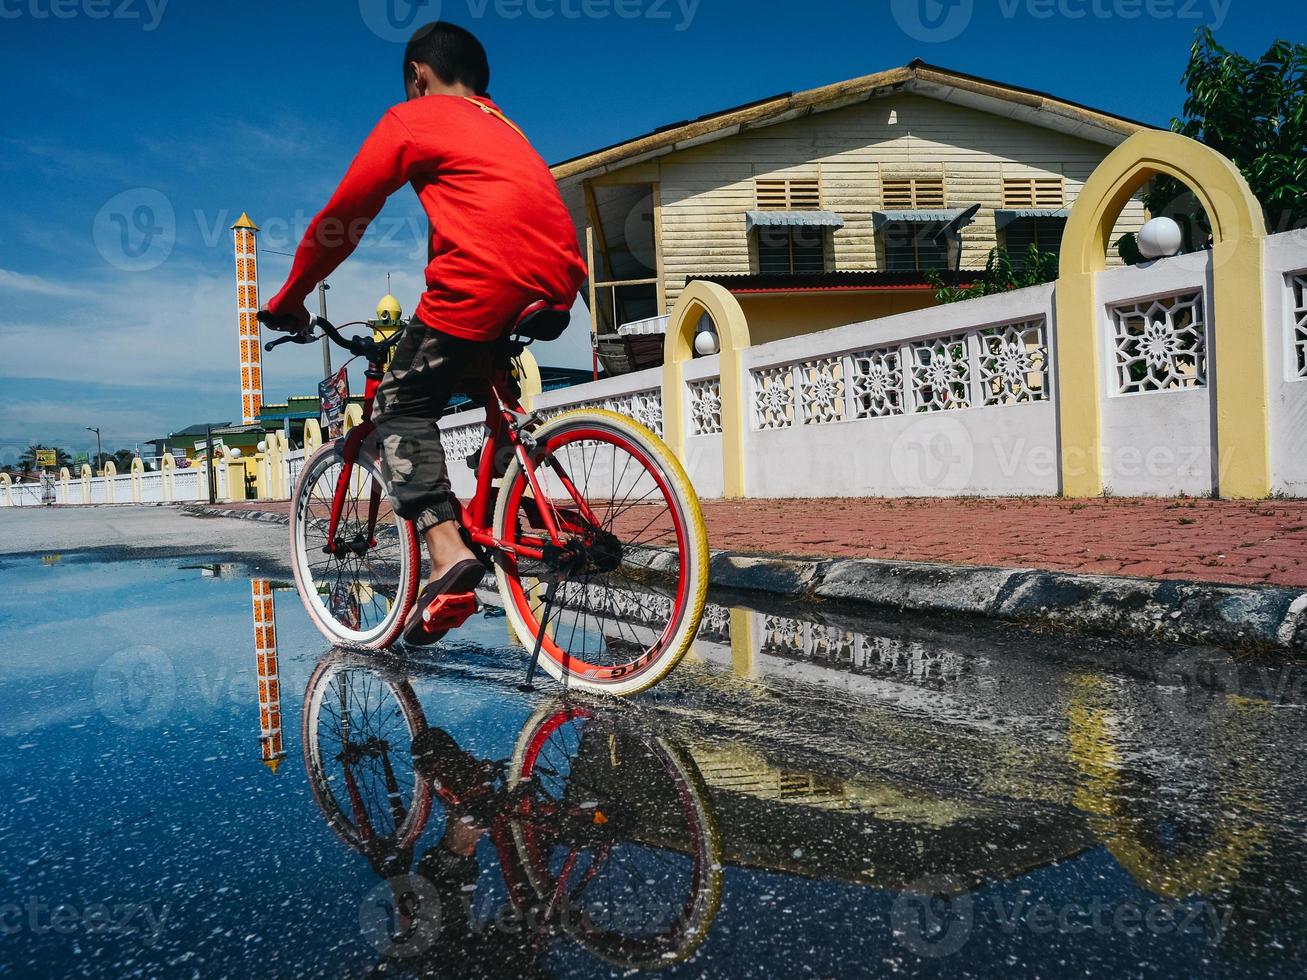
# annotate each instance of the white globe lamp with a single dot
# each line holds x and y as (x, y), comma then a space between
(235, 454)
(263, 445)
(705, 343)
(1160, 238)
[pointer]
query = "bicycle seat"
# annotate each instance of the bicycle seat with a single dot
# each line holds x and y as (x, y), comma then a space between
(542, 321)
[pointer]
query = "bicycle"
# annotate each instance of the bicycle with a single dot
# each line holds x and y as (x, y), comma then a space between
(565, 511)
(587, 807)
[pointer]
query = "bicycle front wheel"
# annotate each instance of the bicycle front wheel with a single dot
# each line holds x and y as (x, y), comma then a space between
(623, 616)
(358, 588)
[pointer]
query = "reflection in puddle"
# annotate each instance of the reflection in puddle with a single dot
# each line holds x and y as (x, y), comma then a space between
(601, 831)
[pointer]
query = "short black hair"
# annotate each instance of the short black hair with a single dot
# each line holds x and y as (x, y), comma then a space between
(454, 54)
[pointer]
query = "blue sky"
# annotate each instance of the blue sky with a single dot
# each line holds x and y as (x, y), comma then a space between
(136, 131)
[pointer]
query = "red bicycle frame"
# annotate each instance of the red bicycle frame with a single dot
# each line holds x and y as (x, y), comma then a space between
(505, 421)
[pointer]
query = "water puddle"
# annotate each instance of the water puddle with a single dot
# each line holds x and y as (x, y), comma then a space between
(195, 787)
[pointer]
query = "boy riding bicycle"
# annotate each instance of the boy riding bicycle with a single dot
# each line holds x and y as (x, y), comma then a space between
(501, 241)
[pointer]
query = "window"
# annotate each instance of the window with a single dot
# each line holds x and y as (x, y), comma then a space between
(898, 193)
(914, 246)
(1033, 192)
(792, 194)
(786, 250)
(1044, 233)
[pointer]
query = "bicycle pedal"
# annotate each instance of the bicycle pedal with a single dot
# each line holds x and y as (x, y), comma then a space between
(449, 612)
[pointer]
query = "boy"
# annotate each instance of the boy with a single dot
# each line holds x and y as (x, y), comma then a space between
(501, 240)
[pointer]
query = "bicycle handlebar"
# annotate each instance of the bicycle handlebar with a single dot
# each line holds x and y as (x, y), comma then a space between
(358, 346)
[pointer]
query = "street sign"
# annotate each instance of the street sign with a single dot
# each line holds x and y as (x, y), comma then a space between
(46, 457)
(81, 459)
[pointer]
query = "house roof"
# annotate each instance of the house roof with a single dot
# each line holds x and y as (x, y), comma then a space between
(1027, 105)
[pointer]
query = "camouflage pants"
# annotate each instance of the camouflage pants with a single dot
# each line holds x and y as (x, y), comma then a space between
(426, 369)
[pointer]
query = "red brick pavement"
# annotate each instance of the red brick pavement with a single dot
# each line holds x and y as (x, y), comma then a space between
(1212, 540)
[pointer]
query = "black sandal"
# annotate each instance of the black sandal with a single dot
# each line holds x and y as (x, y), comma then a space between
(426, 624)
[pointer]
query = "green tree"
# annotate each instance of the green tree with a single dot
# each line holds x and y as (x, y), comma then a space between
(1253, 112)
(122, 460)
(999, 275)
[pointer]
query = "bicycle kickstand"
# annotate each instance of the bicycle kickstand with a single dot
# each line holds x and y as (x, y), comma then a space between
(550, 592)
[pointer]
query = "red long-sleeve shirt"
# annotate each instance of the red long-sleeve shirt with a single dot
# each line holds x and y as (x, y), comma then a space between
(501, 237)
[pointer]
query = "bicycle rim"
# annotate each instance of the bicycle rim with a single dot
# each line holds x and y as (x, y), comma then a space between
(647, 897)
(357, 730)
(359, 599)
(616, 626)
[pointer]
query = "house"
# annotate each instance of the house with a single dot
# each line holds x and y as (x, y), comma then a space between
(833, 205)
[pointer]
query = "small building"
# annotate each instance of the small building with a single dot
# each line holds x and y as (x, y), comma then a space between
(833, 205)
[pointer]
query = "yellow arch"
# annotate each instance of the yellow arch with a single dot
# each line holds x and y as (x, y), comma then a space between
(5, 482)
(86, 482)
(168, 476)
(529, 379)
(732, 325)
(1239, 358)
(65, 483)
(137, 482)
(312, 438)
(110, 474)
(1101, 795)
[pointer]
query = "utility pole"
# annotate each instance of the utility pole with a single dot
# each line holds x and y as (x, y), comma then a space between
(99, 453)
(210, 465)
(326, 344)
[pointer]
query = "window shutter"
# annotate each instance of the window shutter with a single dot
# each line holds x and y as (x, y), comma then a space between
(904, 193)
(1034, 192)
(796, 194)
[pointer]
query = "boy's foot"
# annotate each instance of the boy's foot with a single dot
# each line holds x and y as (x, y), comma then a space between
(426, 624)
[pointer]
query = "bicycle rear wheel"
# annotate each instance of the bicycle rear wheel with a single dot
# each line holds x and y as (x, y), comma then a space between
(626, 613)
(358, 592)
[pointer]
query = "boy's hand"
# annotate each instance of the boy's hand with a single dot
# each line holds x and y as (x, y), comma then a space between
(294, 320)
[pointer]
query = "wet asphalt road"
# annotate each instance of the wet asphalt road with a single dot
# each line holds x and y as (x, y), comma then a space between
(815, 794)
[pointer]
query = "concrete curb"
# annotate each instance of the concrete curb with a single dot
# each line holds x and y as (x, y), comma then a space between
(1169, 611)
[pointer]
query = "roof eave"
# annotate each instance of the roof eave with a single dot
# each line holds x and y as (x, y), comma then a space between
(929, 80)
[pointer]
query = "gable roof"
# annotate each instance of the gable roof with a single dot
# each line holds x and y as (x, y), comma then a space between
(1026, 105)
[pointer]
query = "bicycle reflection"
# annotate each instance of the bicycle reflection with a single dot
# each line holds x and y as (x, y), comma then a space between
(603, 833)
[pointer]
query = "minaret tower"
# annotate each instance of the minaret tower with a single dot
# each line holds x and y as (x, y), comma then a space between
(265, 651)
(247, 309)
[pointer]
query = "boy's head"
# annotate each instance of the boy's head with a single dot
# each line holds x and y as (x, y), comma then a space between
(444, 59)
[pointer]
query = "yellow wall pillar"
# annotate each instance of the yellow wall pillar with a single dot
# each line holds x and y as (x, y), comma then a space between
(1237, 309)
(732, 326)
